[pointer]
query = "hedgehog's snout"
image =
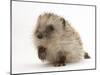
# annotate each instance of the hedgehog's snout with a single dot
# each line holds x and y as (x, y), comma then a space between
(39, 36)
(45, 33)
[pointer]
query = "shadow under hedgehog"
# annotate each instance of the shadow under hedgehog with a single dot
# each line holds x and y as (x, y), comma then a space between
(57, 41)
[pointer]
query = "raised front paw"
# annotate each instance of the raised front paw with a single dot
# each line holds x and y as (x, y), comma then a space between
(42, 52)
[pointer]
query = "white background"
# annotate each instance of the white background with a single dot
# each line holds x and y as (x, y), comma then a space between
(4, 32)
(24, 16)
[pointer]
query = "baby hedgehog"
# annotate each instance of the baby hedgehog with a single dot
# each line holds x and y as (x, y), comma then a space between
(57, 42)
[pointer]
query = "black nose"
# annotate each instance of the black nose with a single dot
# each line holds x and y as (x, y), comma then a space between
(40, 36)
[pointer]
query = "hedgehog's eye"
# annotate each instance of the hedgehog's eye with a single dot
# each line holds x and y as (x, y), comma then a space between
(50, 28)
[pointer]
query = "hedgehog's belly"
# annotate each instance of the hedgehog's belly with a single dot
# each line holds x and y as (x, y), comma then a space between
(72, 52)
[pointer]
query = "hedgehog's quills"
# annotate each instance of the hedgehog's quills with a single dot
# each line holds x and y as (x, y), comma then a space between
(57, 41)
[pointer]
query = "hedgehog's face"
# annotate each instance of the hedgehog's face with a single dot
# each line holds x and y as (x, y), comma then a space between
(49, 25)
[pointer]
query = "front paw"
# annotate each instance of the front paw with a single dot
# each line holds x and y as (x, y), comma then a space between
(42, 53)
(59, 64)
(61, 60)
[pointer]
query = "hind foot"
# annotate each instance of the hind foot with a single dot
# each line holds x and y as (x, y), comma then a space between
(86, 55)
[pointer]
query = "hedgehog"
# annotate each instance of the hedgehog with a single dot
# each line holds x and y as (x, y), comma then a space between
(57, 41)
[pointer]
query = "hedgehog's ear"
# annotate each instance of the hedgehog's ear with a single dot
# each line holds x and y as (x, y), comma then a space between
(63, 22)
